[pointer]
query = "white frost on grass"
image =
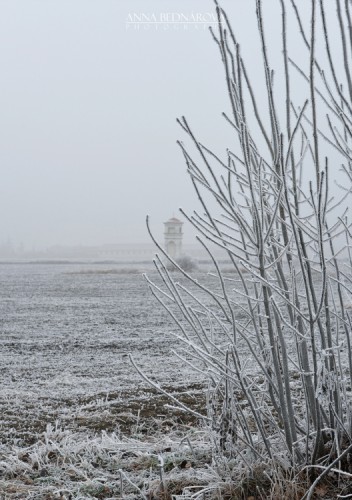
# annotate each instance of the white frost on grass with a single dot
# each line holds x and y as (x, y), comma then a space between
(67, 463)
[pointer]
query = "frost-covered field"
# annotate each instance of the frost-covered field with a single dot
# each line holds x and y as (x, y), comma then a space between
(66, 331)
(77, 421)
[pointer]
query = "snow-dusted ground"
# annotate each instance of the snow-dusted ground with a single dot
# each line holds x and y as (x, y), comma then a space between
(66, 331)
(77, 421)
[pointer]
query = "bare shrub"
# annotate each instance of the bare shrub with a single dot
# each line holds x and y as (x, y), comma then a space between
(274, 344)
(186, 262)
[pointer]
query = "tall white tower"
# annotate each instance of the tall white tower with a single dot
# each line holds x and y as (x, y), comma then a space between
(173, 237)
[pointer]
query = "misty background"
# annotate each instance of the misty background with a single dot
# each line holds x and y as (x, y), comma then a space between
(88, 107)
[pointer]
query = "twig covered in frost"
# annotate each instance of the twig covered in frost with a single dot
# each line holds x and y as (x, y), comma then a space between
(126, 478)
(160, 389)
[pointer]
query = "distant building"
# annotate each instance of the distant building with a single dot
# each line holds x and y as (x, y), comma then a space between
(173, 237)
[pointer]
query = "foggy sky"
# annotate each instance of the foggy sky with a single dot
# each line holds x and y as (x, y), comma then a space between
(88, 107)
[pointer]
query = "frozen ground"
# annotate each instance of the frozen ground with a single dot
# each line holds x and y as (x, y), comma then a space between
(77, 421)
(66, 331)
(73, 409)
